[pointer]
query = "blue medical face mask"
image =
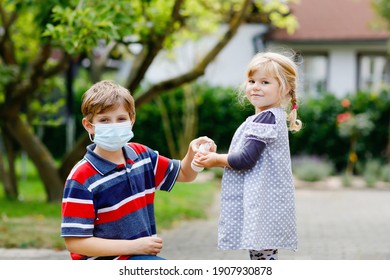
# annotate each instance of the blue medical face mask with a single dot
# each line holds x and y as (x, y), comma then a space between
(112, 136)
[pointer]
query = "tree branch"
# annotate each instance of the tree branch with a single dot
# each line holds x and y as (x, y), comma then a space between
(6, 44)
(61, 66)
(24, 90)
(98, 63)
(150, 50)
(200, 68)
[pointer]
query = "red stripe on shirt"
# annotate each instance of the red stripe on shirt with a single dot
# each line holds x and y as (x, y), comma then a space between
(138, 148)
(162, 163)
(125, 209)
(83, 172)
(162, 166)
(79, 210)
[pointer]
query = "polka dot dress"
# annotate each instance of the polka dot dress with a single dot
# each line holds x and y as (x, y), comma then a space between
(258, 204)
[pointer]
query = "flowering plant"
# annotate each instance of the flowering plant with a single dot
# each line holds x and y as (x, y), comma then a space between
(353, 126)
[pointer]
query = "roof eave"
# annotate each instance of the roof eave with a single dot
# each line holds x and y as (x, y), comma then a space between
(330, 41)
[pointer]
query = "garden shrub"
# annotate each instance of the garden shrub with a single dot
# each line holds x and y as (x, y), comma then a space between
(320, 135)
(220, 114)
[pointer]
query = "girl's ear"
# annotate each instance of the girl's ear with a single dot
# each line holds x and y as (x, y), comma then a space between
(286, 96)
(288, 90)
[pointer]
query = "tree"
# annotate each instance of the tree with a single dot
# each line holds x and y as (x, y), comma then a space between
(41, 38)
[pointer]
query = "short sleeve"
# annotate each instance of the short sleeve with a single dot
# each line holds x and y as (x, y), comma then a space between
(78, 212)
(167, 171)
(262, 131)
(163, 169)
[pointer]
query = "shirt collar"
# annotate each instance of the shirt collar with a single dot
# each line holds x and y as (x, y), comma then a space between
(104, 166)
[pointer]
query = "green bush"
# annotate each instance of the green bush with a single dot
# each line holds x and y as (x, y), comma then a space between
(320, 136)
(219, 114)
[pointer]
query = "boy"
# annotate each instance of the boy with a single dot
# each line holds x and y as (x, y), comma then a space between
(107, 208)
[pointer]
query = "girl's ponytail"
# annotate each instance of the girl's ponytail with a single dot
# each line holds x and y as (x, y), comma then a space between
(294, 123)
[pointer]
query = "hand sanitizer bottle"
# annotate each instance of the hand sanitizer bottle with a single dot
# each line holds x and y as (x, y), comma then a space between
(203, 148)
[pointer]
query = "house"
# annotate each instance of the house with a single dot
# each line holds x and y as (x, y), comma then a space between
(341, 50)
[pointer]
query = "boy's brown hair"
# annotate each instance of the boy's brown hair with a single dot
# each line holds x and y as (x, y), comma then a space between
(105, 96)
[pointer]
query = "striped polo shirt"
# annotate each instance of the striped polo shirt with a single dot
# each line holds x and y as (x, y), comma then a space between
(111, 201)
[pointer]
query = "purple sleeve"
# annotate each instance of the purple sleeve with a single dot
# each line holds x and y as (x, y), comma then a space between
(247, 157)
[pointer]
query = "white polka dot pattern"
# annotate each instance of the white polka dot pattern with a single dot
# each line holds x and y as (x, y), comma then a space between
(258, 204)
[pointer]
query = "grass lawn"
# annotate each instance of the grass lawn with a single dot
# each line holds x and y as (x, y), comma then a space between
(32, 222)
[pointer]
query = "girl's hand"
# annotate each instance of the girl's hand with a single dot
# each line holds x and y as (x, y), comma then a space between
(211, 159)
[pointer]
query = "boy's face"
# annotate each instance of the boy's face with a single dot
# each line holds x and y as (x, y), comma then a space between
(113, 116)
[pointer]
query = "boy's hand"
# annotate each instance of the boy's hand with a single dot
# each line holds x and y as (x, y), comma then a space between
(148, 245)
(195, 144)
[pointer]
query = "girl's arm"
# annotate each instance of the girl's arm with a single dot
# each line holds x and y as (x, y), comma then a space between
(211, 159)
(245, 158)
(248, 156)
(94, 246)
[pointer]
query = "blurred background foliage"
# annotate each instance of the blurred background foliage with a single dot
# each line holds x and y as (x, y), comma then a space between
(219, 113)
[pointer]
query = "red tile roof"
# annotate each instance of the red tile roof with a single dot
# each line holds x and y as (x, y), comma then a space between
(332, 20)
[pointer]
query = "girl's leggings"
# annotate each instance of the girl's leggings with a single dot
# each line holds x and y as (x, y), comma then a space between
(268, 254)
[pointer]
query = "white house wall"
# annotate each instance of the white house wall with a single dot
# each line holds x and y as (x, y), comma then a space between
(230, 65)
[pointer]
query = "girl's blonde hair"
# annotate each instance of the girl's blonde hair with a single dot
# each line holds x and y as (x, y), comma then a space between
(285, 71)
(106, 96)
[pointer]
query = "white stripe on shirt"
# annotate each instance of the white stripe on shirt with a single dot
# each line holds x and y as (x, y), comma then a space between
(123, 202)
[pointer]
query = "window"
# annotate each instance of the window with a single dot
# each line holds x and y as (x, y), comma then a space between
(373, 72)
(314, 74)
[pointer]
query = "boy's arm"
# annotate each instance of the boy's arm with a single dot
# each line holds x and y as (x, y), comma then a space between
(186, 173)
(94, 246)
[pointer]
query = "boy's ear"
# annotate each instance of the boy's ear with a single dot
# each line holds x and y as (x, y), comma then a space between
(87, 125)
(132, 119)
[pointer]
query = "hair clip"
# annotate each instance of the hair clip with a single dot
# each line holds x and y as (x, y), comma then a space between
(294, 107)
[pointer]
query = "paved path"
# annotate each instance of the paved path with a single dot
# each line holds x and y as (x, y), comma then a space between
(336, 224)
